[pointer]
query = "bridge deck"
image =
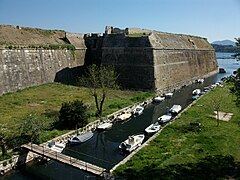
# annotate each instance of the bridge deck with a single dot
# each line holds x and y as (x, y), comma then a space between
(41, 150)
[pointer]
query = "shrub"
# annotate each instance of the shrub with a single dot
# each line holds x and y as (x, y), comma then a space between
(73, 113)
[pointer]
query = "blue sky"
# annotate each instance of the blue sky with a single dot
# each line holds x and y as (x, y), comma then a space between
(213, 19)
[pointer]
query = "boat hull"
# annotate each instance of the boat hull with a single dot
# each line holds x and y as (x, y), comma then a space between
(132, 143)
(79, 139)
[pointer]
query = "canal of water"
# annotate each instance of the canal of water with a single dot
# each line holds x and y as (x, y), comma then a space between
(102, 149)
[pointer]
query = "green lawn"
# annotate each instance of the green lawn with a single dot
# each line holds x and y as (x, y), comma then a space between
(45, 101)
(182, 152)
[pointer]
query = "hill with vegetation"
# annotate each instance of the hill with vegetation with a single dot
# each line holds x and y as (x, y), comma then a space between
(226, 48)
(224, 43)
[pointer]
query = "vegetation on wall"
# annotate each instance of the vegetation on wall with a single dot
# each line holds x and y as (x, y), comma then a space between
(51, 46)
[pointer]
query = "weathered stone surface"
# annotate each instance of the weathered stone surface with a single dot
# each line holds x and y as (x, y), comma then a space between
(144, 59)
(21, 68)
(158, 60)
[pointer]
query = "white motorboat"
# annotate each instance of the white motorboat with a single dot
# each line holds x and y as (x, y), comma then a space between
(175, 109)
(200, 80)
(165, 118)
(168, 95)
(138, 110)
(104, 126)
(153, 128)
(196, 92)
(132, 143)
(56, 146)
(81, 138)
(158, 99)
(124, 116)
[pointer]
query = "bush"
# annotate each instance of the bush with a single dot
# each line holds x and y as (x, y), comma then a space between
(73, 113)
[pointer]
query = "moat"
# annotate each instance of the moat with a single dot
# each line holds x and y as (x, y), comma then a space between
(102, 149)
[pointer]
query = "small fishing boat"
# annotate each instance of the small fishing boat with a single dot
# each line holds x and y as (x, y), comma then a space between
(153, 128)
(124, 116)
(165, 118)
(105, 125)
(132, 143)
(196, 92)
(158, 99)
(175, 109)
(138, 110)
(168, 95)
(200, 80)
(56, 146)
(81, 138)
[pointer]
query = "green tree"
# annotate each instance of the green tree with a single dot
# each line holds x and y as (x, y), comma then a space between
(238, 45)
(236, 87)
(32, 127)
(73, 113)
(216, 104)
(99, 79)
(237, 41)
(3, 141)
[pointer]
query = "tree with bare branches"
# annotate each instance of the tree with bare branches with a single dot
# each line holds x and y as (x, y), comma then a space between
(99, 79)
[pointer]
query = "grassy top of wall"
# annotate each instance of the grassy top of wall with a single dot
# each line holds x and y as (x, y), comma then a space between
(184, 152)
(10, 35)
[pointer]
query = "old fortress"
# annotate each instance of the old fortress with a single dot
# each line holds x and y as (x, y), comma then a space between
(144, 59)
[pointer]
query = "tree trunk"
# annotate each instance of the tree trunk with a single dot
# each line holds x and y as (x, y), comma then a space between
(101, 104)
(3, 148)
(217, 118)
(96, 102)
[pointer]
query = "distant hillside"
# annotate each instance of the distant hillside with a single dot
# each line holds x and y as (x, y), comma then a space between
(224, 43)
(226, 48)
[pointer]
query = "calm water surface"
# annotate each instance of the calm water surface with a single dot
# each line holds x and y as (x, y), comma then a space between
(102, 149)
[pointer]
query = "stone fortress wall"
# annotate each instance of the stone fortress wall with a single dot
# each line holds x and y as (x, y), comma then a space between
(25, 62)
(155, 60)
(144, 59)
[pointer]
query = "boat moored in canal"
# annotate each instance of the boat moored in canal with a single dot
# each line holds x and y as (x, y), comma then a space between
(153, 128)
(56, 146)
(124, 116)
(138, 110)
(132, 143)
(165, 118)
(175, 109)
(169, 95)
(104, 126)
(81, 138)
(196, 92)
(158, 99)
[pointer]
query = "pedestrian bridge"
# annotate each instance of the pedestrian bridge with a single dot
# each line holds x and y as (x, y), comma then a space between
(48, 153)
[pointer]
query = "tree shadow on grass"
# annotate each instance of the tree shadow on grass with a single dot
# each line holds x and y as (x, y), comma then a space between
(210, 167)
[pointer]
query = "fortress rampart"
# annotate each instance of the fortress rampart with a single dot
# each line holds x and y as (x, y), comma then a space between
(144, 59)
(156, 60)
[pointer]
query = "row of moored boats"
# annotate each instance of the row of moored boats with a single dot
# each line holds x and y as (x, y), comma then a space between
(134, 141)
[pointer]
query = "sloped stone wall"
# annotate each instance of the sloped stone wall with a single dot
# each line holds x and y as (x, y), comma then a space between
(21, 68)
(159, 60)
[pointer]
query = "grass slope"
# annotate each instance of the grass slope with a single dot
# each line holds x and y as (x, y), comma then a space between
(45, 101)
(182, 152)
